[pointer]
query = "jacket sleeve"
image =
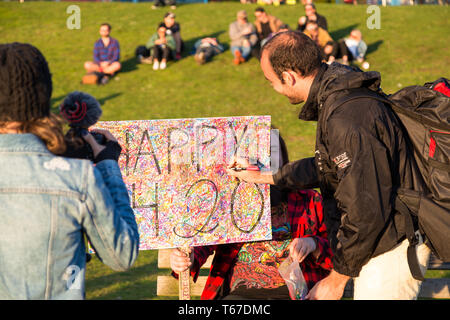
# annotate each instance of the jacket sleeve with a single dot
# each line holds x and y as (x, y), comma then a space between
(108, 219)
(151, 42)
(363, 193)
(171, 42)
(301, 174)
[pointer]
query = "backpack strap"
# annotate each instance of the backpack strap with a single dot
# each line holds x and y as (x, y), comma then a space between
(413, 239)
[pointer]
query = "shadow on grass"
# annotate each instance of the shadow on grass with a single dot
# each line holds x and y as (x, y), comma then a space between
(110, 97)
(374, 46)
(343, 32)
(129, 65)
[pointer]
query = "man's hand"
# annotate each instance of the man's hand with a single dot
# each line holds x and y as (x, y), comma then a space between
(302, 20)
(247, 175)
(247, 31)
(329, 288)
(299, 248)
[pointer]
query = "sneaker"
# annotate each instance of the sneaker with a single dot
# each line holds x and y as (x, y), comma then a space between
(173, 7)
(104, 80)
(154, 7)
(156, 65)
(237, 57)
(200, 58)
(178, 56)
(162, 65)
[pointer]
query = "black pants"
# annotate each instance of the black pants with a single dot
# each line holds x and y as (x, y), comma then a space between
(208, 51)
(340, 49)
(142, 51)
(161, 52)
(179, 44)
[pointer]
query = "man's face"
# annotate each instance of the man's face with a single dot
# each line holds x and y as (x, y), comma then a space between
(104, 31)
(169, 21)
(282, 88)
(309, 11)
(313, 30)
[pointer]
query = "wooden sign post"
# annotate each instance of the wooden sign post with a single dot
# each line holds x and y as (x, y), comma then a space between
(184, 280)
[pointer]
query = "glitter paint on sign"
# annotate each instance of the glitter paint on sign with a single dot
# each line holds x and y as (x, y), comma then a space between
(179, 190)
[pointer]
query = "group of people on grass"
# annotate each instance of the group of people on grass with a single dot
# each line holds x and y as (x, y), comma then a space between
(246, 40)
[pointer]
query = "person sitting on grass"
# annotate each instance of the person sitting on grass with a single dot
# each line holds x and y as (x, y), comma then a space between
(351, 48)
(322, 38)
(162, 47)
(106, 56)
(311, 15)
(173, 28)
(266, 25)
(207, 48)
(250, 270)
(243, 38)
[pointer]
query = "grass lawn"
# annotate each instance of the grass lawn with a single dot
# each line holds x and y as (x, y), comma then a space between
(410, 48)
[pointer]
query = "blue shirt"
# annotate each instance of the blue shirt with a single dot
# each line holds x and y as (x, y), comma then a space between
(110, 53)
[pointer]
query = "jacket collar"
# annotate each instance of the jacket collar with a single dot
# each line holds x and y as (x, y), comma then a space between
(334, 78)
(25, 142)
(310, 110)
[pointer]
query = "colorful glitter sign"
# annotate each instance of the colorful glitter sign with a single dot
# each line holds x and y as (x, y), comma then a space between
(179, 190)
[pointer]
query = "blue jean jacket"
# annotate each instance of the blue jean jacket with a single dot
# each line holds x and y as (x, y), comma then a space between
(47, 205)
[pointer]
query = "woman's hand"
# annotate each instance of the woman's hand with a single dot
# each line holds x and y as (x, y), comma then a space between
(111, 150)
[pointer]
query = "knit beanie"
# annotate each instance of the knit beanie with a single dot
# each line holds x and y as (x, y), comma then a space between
(80, 109)
(25, 83)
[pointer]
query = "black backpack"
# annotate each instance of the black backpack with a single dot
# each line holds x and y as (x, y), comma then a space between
(424, 113)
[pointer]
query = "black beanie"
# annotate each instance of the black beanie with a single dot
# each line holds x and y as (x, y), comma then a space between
(25, 83)
(80, 109)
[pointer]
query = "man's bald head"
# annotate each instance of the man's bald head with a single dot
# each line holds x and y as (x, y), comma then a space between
(292, 50)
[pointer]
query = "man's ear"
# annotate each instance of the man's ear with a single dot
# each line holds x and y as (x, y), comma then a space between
(289, 78)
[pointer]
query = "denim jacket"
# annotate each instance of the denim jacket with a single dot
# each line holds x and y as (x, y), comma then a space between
(47, 205)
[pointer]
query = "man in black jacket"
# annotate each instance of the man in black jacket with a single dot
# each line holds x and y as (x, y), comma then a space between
(360, 160)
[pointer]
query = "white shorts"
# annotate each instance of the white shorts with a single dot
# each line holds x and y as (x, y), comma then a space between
(388, 277)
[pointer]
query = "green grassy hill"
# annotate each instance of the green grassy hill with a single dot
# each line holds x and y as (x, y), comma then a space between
(411, 47)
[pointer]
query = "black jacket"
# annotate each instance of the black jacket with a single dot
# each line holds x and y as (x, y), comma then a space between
(321, 22)
(360, 160)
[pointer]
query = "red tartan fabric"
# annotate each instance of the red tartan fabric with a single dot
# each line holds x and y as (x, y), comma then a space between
(306, 215)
